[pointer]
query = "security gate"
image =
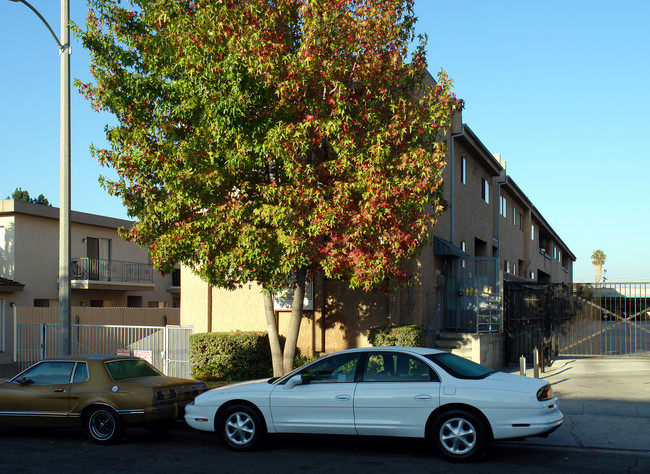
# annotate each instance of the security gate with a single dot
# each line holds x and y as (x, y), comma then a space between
(167, 347)
(609, 319)
(470, 298)
(598, 320)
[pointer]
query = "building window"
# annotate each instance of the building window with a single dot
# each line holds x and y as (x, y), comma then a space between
(521, 221)
(514, 215)
(463, 246)
(506, 266)
(503, 206)
(485, 190)
(463, 170)
(532, 232)
(532, 275)
(134, 301)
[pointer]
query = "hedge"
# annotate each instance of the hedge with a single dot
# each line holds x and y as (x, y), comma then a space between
(234, 356)
(407, 335)
(230, 356)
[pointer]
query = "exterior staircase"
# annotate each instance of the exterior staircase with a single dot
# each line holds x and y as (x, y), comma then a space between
(457, 343)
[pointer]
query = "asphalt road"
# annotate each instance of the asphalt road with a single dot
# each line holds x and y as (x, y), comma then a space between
(187, 451)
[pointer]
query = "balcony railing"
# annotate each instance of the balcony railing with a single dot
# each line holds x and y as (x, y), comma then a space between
(110, 270)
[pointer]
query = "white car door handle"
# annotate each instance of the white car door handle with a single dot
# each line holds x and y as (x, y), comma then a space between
(343, 397)
(423, 397)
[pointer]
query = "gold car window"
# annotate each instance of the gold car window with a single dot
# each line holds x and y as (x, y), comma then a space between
(80, 373)
(49, 373)
(130, 368)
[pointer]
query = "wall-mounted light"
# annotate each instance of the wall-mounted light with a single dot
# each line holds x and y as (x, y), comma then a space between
(83, 239)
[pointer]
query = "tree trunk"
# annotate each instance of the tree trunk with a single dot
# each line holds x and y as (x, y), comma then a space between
(599, 273)
(274, 337)
(296, 318)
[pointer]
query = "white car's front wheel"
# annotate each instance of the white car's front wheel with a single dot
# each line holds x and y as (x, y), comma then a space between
(241, 427)
(458, 435)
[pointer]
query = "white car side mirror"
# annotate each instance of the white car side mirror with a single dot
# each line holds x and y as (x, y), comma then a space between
(293, 381)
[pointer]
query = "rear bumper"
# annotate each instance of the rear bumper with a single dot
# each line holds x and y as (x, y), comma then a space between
(151, 413)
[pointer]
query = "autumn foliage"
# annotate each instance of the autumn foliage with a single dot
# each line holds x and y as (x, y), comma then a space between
(256, 137)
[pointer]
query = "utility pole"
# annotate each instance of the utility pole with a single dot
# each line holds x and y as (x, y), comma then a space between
(65, 346)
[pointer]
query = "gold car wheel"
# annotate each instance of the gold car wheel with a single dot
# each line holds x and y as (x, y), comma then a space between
(104, 425)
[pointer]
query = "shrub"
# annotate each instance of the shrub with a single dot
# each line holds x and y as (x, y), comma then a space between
(234, 356)
(407, 335)
(301, 360)
(230, 356)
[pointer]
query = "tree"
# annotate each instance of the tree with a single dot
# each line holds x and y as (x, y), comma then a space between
(21, 195)
(262, 139)
(598, 259)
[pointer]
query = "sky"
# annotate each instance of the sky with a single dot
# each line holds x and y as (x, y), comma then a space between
(559, 88)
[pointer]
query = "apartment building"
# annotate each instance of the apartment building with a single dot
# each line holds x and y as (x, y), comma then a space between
(106, 270)
(490, 216)
(491, 231)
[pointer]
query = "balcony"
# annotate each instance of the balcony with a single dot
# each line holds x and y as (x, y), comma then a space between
(100, 274)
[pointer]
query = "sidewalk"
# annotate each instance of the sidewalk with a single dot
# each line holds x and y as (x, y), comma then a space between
(605, 401)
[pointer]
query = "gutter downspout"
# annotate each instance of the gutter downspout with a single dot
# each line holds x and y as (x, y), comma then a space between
(499, 238)
(499, 221)
(453, 201)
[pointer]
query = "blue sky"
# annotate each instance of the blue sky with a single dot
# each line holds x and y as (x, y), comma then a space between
(558, 88)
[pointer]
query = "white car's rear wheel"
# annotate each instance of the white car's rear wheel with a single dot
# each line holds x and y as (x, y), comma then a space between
(241, 427)
(458, 435)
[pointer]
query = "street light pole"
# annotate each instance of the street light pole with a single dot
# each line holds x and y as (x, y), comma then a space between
(65, 325)
(65, 346)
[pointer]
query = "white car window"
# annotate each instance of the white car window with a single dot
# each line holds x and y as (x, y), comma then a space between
(337, 369)
(396, 367)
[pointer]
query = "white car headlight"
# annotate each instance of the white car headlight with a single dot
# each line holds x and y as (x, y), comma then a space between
(545, 393)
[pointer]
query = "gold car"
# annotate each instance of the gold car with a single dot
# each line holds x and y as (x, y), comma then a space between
(103, 393)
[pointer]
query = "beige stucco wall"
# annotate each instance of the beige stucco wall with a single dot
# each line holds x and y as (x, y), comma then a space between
(340, 319)
(194, 301)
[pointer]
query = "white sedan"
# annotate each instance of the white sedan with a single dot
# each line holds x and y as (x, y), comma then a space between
(384, 391)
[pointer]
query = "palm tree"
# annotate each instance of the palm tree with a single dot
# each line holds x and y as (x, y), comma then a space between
(598, 259)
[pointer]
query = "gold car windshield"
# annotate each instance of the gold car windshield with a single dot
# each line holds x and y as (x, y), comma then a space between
(130, 368)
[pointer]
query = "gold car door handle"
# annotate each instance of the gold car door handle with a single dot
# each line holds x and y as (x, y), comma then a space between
(59, 390)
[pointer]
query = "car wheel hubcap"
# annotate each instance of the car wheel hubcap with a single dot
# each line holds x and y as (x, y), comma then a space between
(240, 428)
(102, 425)
(457, 436)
